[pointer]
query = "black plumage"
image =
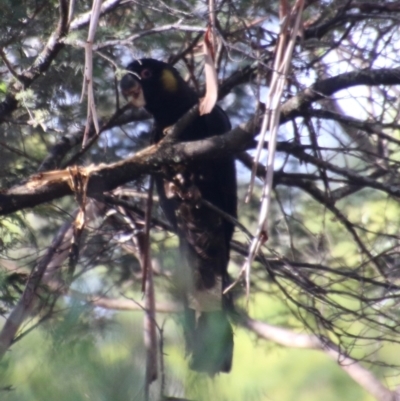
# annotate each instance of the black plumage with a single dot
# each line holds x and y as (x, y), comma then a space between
(204, 235)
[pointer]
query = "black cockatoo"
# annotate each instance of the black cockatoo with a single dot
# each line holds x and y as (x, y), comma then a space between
(204, 235)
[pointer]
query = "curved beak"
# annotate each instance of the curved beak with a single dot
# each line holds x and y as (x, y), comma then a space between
(132, 90)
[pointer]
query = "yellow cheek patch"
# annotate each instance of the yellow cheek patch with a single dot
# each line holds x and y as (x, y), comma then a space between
(168, 80)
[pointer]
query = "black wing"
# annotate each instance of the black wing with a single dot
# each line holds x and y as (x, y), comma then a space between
(205, 237)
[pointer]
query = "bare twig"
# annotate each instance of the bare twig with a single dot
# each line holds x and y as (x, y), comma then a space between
(282, 336)
(150, 334)
(42, 188)
(288, 338)
(83, 19)
(282, 63)
(26, 303)
(87, 86)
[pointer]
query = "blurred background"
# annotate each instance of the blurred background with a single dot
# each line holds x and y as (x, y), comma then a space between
(330, 266)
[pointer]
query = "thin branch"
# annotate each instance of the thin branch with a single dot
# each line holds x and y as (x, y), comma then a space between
(26, 303)
(50, 51)
(84, 19)
(282, 336)
(129, 40)
(88, 84)
(8, 64)
(150, 334)
(41, 188)
(288, 338)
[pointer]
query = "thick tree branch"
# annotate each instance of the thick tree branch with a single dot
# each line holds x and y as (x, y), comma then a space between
(295, 106)
(53, 185)
(40, 189)
(288, 338)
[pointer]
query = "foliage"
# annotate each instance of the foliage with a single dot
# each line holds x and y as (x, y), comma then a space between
(330, 265)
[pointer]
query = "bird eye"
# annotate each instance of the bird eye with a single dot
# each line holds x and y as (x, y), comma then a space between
(145, 73)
